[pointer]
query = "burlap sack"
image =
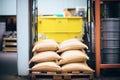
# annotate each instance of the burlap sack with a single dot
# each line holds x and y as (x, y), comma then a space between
(73, 56)
(45, 56)
(46, 66)
(71, 44)
(77, 67)
(45, 45)
(83, 51)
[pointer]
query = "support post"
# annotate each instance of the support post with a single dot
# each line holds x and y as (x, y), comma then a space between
(23, 37)
(97, 36)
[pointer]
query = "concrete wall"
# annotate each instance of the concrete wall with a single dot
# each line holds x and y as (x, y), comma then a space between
(57, 6)
(7, 7)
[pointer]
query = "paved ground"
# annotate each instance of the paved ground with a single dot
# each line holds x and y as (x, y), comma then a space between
(8, 70)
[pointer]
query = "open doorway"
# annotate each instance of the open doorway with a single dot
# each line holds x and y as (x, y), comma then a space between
(8, 33)
(8, 38)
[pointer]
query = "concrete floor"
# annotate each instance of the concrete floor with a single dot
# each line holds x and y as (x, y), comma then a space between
(8, 63)
(8, 69)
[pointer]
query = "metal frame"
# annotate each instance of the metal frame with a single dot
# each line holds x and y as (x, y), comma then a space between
(97, 40)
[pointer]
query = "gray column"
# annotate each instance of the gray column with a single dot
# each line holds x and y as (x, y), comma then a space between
(23, 36)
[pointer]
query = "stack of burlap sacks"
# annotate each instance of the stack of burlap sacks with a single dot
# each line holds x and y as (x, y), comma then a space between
(67, 56)
(45, 57)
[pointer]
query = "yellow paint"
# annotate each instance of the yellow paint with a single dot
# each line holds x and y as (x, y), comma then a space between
(88, 15)
(59, 28)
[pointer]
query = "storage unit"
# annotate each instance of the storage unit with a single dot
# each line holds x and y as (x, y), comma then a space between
(99, 65)
(9, 44)
(59, 28)
(110, 36)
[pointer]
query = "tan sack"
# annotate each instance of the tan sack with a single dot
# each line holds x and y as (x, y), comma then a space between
(45, 45)
(73, 56)
(77, 67)
(83, 51)
(71, 44)
(45, 56)
(46, 66)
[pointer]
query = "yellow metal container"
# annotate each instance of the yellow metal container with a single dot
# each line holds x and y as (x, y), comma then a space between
(59, 28)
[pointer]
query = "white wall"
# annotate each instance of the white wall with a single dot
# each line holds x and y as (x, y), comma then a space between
(57, 6)
(1, 7)
(7, 7)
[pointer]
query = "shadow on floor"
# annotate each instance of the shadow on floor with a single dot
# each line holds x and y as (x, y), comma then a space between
(8, 63)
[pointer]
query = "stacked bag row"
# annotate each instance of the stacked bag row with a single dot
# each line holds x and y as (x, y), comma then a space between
(45, 56)
(69, 55)
(73, 56)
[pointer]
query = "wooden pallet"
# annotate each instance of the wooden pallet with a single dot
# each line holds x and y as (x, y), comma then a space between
(64, 75)
(9, 44)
